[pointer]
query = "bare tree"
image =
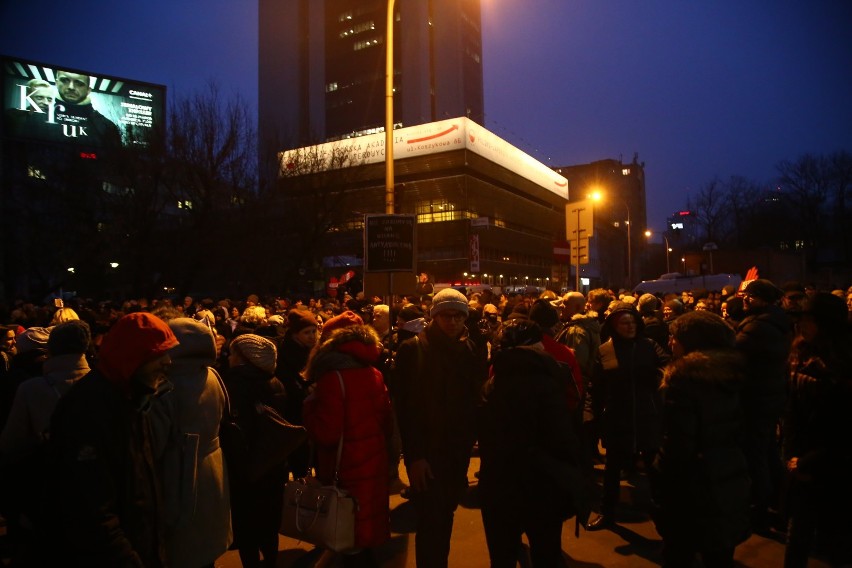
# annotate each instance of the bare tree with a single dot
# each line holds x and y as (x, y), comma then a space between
(710, 211)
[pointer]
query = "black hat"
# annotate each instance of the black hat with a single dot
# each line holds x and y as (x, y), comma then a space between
(544, 314)
(518, 333)
(764, 289)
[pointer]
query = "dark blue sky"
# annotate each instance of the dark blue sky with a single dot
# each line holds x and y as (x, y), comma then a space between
(698, 89)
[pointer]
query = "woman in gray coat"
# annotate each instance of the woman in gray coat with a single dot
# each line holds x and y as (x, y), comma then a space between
(195, 482)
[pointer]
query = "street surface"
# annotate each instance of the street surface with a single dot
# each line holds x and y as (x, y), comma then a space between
(633, 543)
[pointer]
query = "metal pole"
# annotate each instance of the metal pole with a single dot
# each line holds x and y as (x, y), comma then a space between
(389, 184)
(629, 249)
(667, 254)
(577, 289)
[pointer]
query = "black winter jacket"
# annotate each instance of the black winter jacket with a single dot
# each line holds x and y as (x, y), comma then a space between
(108, 506)
(700, 477)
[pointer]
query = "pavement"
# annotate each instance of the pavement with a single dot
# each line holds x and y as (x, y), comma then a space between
(632, 543)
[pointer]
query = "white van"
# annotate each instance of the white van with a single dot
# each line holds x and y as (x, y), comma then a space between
(675, 283)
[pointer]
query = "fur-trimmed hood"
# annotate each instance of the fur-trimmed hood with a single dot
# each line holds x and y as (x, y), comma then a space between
(348, 347)
(723, 368)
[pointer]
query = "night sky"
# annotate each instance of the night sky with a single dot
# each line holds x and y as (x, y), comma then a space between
(697, 89)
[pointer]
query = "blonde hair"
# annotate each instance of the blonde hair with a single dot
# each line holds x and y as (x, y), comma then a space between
(254, 315)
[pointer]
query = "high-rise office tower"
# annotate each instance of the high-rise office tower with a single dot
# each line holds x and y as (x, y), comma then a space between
(322, 67)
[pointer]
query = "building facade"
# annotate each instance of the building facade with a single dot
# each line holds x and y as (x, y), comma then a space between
(618, 249)
(486, 212)
(322, 67)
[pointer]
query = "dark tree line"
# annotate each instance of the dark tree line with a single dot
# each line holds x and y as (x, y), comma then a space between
(807, 208)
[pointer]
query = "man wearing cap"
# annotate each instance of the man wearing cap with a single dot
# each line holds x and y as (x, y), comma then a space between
(108, 499)
(764, 338)
(439, 378)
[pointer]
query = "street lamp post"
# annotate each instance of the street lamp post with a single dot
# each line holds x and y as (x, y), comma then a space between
(629, 248)
(648, 233)
(389, 197)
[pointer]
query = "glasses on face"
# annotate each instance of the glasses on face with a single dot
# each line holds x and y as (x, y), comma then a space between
(454, 316)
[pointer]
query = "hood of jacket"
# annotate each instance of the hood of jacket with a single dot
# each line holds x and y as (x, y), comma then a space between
(721, 368)
(618, 310)
(348, 347)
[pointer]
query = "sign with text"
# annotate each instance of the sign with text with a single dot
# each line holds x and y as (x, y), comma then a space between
(389, 243)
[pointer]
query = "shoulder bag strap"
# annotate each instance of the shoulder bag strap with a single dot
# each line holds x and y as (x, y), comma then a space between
(343, 425)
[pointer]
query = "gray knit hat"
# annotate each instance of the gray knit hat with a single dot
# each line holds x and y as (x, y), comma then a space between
(448, 299)
(257, 350)
(647, 304)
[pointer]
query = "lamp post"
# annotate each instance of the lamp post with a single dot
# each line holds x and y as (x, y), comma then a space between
(668, 248)
(629, 248)
(389, 197)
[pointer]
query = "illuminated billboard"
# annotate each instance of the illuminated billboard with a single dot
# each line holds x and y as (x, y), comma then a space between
(62, 105)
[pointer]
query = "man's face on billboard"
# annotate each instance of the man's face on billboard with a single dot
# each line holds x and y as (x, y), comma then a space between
(43, 97)
(73, 88)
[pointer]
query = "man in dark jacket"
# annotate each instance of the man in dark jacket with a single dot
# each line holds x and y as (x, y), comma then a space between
(764, 337)
(440, 375)
(625, 399)
(108, 507)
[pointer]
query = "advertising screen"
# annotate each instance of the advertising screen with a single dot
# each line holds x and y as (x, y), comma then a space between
(61, 105)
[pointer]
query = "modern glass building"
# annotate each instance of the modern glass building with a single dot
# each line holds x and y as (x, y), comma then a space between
(322, 67)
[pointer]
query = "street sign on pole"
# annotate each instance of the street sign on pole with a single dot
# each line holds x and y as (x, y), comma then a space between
(579, 221)
(389, 243)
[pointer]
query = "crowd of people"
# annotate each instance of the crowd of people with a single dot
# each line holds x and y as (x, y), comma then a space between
(734, 404)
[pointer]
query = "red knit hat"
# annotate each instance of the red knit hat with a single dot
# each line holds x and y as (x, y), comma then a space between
(134, 340)
(345, 319)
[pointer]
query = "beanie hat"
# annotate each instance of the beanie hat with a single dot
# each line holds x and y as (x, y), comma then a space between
(700, 330)
(71, 337)
(448, 299)
(297, 320)
(345, 319)
(647, 304)
(257, 350)
(32, 339)
(544, 314)
(765, 290)
(134, 340)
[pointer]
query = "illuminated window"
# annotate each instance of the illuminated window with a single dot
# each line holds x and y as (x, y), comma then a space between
(35, 173)
(438, 211)
(185, 204)
(331, 87)
(358, 28)
(625, 172)
(344, 16)
(367, 43)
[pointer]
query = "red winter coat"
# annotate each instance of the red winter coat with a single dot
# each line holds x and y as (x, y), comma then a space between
(364, 417)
